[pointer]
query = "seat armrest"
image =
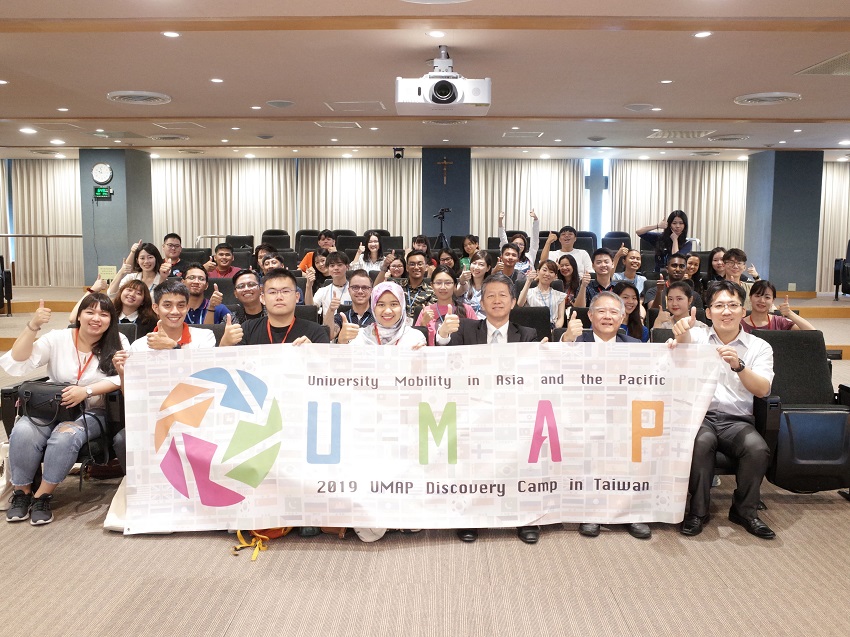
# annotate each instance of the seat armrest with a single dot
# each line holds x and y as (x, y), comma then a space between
(844, 395)
(766, 412)
(114, 412)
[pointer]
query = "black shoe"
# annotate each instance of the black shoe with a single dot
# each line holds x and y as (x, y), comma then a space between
(467, 535)
(19, 507)
(529, 534)
(639, 530)
(693, 524)
(588, 529)
(754, 526)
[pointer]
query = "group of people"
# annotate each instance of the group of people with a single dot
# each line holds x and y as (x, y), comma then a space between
(410, 300)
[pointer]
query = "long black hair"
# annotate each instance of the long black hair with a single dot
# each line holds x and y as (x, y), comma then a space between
(574, 282)
(634, 325)
(664, 245)
(457, 300)
(150, 249)
(110, 342)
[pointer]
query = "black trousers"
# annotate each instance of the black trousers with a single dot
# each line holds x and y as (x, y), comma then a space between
(736, 437)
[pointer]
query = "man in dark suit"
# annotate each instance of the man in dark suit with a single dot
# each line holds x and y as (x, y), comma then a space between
(606, 314)
(498, 298)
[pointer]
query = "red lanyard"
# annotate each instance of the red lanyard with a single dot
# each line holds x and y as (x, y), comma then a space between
(80, 366)
(378, 335)
(285, 336)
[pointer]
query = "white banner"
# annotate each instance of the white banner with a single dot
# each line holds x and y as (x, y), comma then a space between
(444, 437)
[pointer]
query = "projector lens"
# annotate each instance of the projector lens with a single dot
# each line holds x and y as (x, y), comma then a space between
(443, 92)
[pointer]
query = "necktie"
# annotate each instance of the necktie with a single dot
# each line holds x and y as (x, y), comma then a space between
(496, 338)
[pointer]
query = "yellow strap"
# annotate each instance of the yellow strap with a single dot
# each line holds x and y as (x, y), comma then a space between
(258, 543)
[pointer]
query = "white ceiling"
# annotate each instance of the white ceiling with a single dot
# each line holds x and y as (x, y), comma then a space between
(564, 69)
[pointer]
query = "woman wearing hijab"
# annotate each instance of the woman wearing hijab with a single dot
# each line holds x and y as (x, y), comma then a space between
(389, 327)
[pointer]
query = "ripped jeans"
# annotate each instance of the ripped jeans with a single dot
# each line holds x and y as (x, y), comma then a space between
(57, 446)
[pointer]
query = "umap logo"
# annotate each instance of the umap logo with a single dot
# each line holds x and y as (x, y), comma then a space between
(189, 404)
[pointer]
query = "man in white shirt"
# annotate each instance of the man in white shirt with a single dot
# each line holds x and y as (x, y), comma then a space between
(728, 425)
(337, 264)
(567, 237)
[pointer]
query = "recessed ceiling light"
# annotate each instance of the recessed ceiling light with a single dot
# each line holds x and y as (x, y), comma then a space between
(3, 82)
(256, 108)
(798, 130)
(294, 150)
(666, 82)
(656, 130)
(525, 151)
(599, 151)
(224, 141)
(557, 140)
(702, 34)
(98, 130)
(355, 150)
(544, 156)
(514, 127)
(62, 110)
(782, 142)
(29, 131)
(374, 128)
(216, 80)
(841, 159)
(844, 142)
(57, 142)
(743, 158)
(445, 140)
(669, 141)
(663, 152)
(117, 141)
(437, 34)
(154, 156)
(655, 108)
(171, 34)
(235, 150)
(334, 139)
(644, 157)
(249, 156)
(59, 156)
(235, 128)
(347, 155)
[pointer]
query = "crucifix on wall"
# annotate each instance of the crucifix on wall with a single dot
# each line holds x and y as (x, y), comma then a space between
(445, 164)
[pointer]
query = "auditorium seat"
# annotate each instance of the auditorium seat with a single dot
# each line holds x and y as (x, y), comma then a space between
(307, 313)
(225, 286)
(536, 317)
(217, 330)
(279, 241)
(380, 231)
(195, 255)
(345, 242)
(240, 241)
(243, 258)
(307, 243)
(587, 234)
(345, 233)
(290, 259)
(585, 243)
(394, 242)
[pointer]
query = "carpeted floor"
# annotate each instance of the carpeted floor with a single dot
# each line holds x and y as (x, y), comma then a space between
(77, 578)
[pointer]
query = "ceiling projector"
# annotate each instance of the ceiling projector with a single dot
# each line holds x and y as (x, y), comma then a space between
(442, 92)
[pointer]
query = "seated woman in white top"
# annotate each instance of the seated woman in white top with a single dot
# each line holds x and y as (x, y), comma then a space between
(544, 295)
(370, 253)
(480, 265)
(144, 263)
(389, 327)
(81, 356)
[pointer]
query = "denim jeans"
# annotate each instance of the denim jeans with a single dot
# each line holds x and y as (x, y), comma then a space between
(57, 446)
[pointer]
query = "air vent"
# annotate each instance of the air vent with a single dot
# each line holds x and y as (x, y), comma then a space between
(337, 124)
(170, 138)
(142, 98)
(705, 153)
(280, 103)
(356, 107)
(679, 134)
(190, 151)
(522, 134)
(177, 125)
(52, 153)
(728, 138)
(117, 135)
(839, 65)
(57, 126)
(597, 138)
(445, 122)
(638, 108)
(767, 99)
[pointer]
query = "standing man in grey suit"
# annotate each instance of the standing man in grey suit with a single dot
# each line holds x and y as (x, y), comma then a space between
(498, 298)
(606, 316)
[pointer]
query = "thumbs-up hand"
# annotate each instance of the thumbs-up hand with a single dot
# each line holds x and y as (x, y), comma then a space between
(683, 325)
(426, 316)
(533, 214)
(531, 275)
(125, 268)
(42, 316)
(552, 238)
(165, 268)
(752, 271)
(119, 360)
(785, 308)
(335, 301)
(98, 285)
(215, 298)
(450, 325)
(585, 279)
(347, 332)
(623, 251)
(159, 340)
(310, 275)
(232, 332)
(499, 266)
(574, 327)
(360, 250)
(502, 218)
(210, 264)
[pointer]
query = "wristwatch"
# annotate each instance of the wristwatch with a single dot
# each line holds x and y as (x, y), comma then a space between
(89, 392)
(740, 367)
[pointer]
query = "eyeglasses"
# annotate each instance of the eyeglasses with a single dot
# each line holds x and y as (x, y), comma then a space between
(442, 284)
(193, 277)
(359, 288)
(734, 264)
(416, 264)
(246, 286)
(446, 260)
(172, 245)
(276, 293)
(719, 307)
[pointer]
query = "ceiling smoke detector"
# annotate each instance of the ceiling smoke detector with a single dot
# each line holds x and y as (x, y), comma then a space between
(728, 138)
(767, 99)
(142, 98)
